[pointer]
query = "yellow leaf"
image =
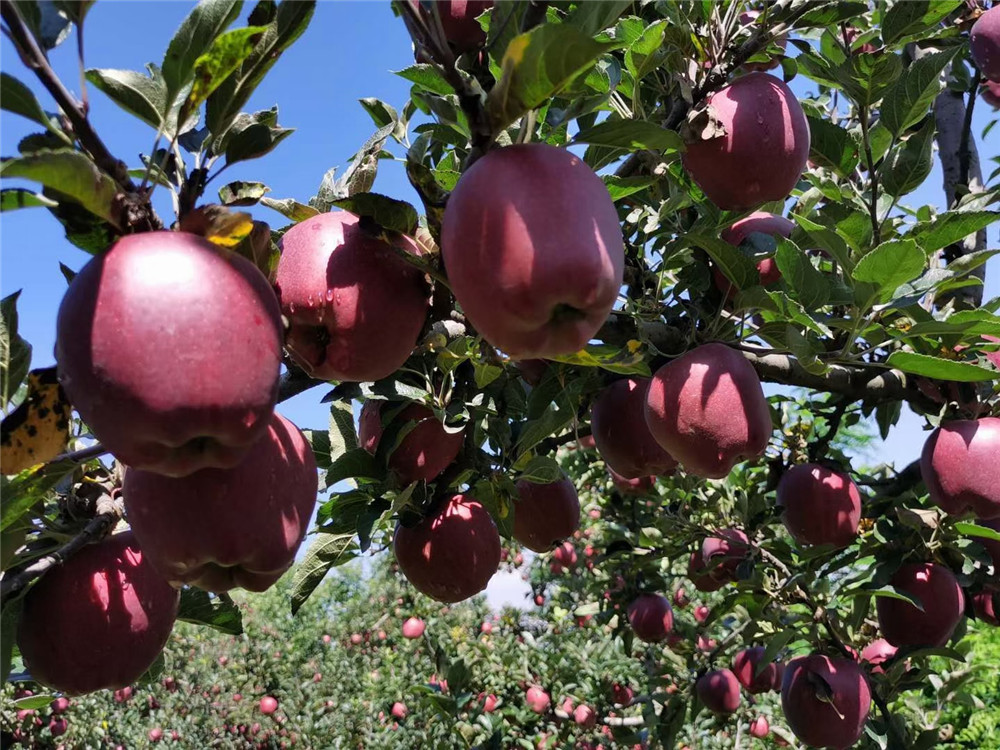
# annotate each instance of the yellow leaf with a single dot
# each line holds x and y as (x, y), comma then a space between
(37, 430)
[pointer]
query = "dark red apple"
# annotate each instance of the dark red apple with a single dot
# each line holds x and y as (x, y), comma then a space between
(755, 680)
(537, 699)
(960, 467)
(763, 223)
(938, 591)
(223, 528)
(759, 152)
(458, 18)
(819, 505)
(984, 44)
(716, 563)
(59, 705)
(58, 726)
(170, 349)
(707, 409)
(97, 622)
(533, 249)
(545, 514)
(622, 694)
(651, 617)
(825, 700)
(719, 691)
(639, 486)
(268, 705)
(986, 605)
(620, 433)
(452, 553)
(423, 453)
(354, 306)
(413, 627)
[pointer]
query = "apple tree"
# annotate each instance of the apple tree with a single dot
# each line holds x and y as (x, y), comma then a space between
(681, 234)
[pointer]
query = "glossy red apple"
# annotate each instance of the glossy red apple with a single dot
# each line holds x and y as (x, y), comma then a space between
(707, 409)
(619, 427)
(651, 617)
(719, 691)
(938, 591)
(545, 514)
(756, 679)
(170, 349)
(58, 726)
(223, 528)
(354, 306)
(99, 622)
(960, 467)
(758, 222)
(423, 453)
(458, 19)
(268, 705)
(59, 705)
(819, 505)
(825, 700)
(984, 43)
(413, 627)
(452, 553)
(533, 249)
(763, 150)
(537, 699)
(701, 614)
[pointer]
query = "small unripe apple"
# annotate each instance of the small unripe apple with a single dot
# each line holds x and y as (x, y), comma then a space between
(620, 433)
(537, 699)
(960, 467)
(759, 727)
(651, 617)
(754, 679)
(585, 716)
(819, 505)
(825, 700)
(268, 705)
(533, 249)
(763, 150)
(452, 553)
(719, 691)
(984, 43)
(707, 409)
(545, 514)
(763, 223)
(97, 622)
(170, 350)
(423, 453)
(413, 628)
(937, 590)
(354, 306)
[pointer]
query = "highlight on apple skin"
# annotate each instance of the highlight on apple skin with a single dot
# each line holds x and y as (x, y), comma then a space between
(984, 44)
(819, 505)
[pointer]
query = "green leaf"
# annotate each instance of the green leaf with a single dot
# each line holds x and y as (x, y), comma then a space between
(737, 267)
(325, 552)
(382, 114)
(195, 36)
(631, 134)
(621, 187)
(647, 52)
(542, 470)
(888, 592)
(354, 464)
(950, 227)
(891, 264)
(597, 15)
(940, 369)
(866, 77)
(227, 53)
(343, 437)
(15, 352)
(241, 193)
(909, 100)
(69, 172)
(290, 209)
(33, 702)
(427, 78)
(913, 16)
(827, 14)
(12, 199)
(626, 360)
(807, 284)
(253, 136)
(909, 164)
(17, 98)
(833, 147)
(538, 65)
(142, 96)
(217, 611)
(975, 530)
(389, 213)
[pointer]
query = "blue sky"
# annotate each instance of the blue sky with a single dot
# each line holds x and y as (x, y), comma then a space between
(347, 53)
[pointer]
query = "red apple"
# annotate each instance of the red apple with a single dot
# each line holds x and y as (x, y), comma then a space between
(746, 668)
(701, 613)
(537, 699)
(850, 35)
(356, 639)
(565, 555)
(155, 734)
(990, 93)
(489, 703)
(960, 467)
(984, 44)
(825, 700)
(452, 553)
(877, 653)
(545, 514)
(938, 591)
(681, 599)
(458, 19)
(584, 716)
(97, 622)
(486, 628)
(759, 727)
(399, 710)
(423, 453)
(717, 562)
(222, 528)
(124, 695)
(533, 249)
(170, 348)
(617, 419)
(639, 486)
(986, 605)
(758, 222)
(761, 150)
(651, 617)
(58, 726)
(622, 694)
(59, 705)
(413, 628)
(819, 505)
(719, 691)
(707, 409)
(268, 705)
(355, 308)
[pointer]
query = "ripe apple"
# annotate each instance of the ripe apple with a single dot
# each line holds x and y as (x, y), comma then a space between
(413, 628)
(938, 591)
(681, 599)
(638, 486)
(222, 528)
(762, 150)
(819, 505)
(99, 622)
(651, 617)
(399, 710)
(423, 453)
(58, 726)
(537, 699)
(545, 514)
(990, 93)
(851, 34)
(565, 555)
(622, 694)
(825, 700)
(356, 639)
(155, 734)
(745, 667)
(354, 306)
(758, 222)
(617, 419)
(59, 705)
(707, 409)
(486, 628)
(719, 691)
(716, 563)
(452, 553)
(877, 653)
(170, 349)
(458, 19)
(984, 44)
(960, 467)
(759, 727)
(533, 249)
(701, 613)
(268, 705)
(585, 716)
(986, 605)
(489, 703)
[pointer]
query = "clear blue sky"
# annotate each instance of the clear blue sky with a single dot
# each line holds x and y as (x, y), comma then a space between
(347, 53)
